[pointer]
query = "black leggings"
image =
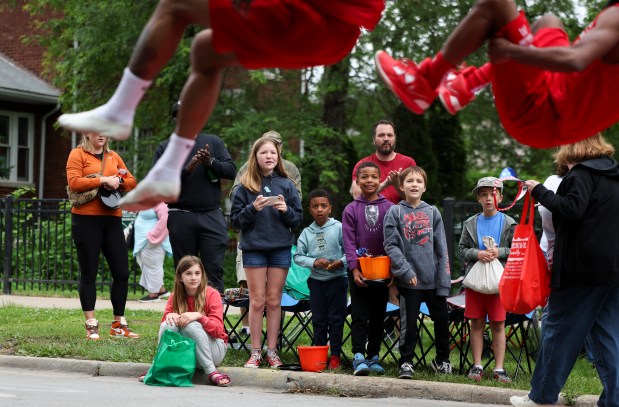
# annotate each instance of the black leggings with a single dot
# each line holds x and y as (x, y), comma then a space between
(93, 234)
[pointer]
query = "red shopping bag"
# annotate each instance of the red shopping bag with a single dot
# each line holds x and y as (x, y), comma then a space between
(525, 283)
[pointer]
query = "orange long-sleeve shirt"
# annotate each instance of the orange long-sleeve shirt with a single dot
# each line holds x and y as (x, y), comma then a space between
(82, 163)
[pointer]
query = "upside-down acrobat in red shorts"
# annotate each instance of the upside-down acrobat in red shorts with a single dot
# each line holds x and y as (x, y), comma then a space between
(544, 109)
(291, 34)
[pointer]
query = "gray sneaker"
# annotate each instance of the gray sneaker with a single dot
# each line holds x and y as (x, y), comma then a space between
(501, 376)
(476, 373)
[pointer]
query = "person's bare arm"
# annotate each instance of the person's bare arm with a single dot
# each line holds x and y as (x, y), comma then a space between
(601, 42)
(355, 191)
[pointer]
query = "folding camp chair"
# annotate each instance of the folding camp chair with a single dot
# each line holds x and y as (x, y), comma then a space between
(293, 327)
(459, 331)
(233, 329)
(521, 341)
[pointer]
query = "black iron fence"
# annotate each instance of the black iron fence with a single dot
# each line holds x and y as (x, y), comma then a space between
(39, 254)
(38, 250)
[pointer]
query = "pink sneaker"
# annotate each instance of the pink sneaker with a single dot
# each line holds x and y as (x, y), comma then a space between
(254, 361)
(274, 361)
(453, 91)
(403, 78)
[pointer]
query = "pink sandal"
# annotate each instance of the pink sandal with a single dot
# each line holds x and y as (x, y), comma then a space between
(219, 379)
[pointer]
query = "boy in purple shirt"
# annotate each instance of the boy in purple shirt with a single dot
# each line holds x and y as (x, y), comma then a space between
(362, 226)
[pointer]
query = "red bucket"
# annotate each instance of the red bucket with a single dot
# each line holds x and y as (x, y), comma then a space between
(313, 358)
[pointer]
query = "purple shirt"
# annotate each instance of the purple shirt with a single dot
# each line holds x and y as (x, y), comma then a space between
(362, 226)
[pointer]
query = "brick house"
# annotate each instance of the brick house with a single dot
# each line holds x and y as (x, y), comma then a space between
(30, 146)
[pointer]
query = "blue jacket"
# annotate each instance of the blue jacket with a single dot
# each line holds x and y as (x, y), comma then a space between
(318, 242)
(267, 229)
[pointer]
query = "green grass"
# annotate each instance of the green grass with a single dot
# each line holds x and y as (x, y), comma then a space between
(60, 333)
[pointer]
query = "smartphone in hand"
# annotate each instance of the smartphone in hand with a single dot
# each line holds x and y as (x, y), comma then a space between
(272, 200)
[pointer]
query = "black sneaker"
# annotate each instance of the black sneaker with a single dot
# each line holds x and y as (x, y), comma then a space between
(441, 367)
(148, 298)
(406, 371)
(164, 294)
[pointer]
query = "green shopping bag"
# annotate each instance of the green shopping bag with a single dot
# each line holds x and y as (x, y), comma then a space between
(174, 362)
(296, 280)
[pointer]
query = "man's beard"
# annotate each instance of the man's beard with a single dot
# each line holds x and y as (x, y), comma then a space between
(384, 149)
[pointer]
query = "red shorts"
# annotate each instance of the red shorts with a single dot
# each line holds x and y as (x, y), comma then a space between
(522, 96)
(290, 34)
(478, 305)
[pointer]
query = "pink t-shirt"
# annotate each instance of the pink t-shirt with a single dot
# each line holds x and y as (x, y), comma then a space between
(400, 162)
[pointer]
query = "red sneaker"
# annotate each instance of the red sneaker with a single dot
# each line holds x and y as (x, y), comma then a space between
(454, 92)
(334, 362)
(273, 360)
(403, 78)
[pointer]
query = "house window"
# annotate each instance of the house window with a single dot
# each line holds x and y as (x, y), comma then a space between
(16, 146)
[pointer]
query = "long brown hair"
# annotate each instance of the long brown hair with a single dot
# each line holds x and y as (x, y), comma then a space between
(180, 295)
(87, 146)
(593, 147)
(252, 178)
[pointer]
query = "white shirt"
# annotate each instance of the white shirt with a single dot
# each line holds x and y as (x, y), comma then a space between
(547, 242)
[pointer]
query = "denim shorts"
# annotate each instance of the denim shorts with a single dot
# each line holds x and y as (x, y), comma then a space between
(280, 258)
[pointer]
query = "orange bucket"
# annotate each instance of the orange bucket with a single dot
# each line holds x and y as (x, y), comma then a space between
(313, 358)
(375, 268)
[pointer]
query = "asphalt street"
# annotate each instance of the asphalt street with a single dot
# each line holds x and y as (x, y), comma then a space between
(20, 387)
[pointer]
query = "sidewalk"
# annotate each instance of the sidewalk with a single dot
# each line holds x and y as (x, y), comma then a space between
(325, 383)
(74, 303)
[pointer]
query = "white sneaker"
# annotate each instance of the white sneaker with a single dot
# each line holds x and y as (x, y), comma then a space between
(524, 401)
(91, 122)
(149, 193)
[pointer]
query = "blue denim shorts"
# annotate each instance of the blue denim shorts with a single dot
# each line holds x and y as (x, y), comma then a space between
(280, 258)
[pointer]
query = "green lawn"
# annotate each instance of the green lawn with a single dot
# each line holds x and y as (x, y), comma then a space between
(60, 333)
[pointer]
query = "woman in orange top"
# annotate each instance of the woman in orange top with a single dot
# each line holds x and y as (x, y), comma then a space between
(97, 228)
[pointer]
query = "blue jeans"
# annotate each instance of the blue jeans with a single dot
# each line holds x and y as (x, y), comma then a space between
(573, 313)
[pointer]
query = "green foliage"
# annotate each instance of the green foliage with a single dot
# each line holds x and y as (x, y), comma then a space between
(89, 43)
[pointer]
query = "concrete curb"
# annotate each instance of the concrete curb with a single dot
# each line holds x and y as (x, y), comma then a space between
(324, 383)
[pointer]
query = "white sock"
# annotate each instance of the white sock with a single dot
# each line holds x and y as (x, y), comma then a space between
(121, 106)
(170, 164)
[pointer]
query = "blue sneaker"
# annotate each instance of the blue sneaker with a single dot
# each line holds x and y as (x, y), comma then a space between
(375, 366)
(359, 365)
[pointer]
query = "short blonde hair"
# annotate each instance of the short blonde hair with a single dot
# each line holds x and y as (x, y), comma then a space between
(593, 147)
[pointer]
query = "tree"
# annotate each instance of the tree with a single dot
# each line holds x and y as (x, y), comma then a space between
(89, 43)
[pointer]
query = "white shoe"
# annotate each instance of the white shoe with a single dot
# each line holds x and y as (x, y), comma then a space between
(524, 401)
(149, 193)
(90, 122)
